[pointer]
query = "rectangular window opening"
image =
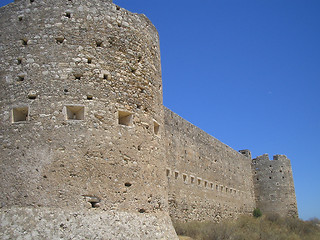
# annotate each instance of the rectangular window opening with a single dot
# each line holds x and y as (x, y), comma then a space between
(20, 114)
(125, 118)
(184, 177)
(205, 184)
(199, 181)
(192, 179)
(168, 172)
(74, 112)
(156, 127)
(176, 175)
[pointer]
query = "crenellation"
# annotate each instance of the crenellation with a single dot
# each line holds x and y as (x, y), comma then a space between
(273, 181)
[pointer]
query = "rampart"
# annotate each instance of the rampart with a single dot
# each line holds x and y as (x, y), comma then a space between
(87, 149)
(208, 180)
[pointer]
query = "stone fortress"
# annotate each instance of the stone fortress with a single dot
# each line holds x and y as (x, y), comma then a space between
(88, 151)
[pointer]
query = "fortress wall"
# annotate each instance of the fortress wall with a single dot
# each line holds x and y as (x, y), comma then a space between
(274, 187)
(207, 179)
(81, 109)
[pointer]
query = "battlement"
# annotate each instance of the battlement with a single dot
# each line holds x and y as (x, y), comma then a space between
(273, 182)
(246, 153)
(265, 158)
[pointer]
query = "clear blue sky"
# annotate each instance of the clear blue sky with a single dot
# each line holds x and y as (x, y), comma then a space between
(248, 73)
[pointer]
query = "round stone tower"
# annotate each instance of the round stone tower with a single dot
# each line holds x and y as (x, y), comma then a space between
(81, 122)
(274, 187)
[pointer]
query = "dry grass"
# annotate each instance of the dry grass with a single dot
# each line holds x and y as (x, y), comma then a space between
(270, 227)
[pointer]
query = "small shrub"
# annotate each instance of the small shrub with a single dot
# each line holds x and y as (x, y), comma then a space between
(257, 213)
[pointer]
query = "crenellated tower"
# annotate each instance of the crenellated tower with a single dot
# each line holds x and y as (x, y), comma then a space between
(274, 187)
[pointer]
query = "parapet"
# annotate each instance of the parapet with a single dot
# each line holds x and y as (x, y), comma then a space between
(246, 153)
(265, 158)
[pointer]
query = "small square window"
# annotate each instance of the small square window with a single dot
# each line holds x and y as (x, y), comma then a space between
(20, 114)
(125, 118)
(74, 112)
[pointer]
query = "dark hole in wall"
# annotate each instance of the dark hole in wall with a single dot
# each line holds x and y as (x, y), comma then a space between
(20, 18)
(127, 184)
(142, 210)
(89, 97)
(24, 41)
(21, 78)
(68, 14)
(19, 61)
(32, 96)
(60, 40)
(99, 43)
(93, 200)
(78, 76)
(65, 90)
(94, 204)
(89, 60)
(118, 8)
(31, 1)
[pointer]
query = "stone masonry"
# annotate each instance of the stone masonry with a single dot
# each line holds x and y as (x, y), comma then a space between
(88, 150)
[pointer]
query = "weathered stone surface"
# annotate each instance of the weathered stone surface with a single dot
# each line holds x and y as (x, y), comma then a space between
(274, 188)
(51, 223)
(87, 149)
(208, 180)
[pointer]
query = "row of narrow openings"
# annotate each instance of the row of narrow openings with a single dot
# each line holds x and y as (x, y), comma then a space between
(201, 182)
(76, 112)
(59, 39)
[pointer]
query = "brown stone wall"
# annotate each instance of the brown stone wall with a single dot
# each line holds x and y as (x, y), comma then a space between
(69, 70)
(207, 179)
(274, 188)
